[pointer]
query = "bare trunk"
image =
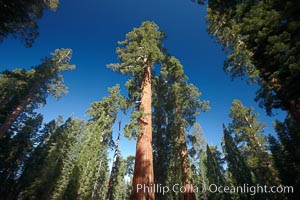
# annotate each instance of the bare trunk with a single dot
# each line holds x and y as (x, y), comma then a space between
(96, 181)
(143, 178)
(113, 169)
(187, 182)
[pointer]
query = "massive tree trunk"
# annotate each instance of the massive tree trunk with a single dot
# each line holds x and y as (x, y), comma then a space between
(143, 177)
(187, 182)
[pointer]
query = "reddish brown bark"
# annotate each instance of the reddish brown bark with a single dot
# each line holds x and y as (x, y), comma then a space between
(293, 105)
(13, 116)
(187, 183)
(20, 108)
(143, 177)
(294, 110)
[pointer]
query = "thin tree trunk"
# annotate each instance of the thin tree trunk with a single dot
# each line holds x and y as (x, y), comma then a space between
(143, 178)
(114, 167)
(96, 181)
(187, 182)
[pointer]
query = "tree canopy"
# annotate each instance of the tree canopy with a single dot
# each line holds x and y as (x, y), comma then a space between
(19, 18)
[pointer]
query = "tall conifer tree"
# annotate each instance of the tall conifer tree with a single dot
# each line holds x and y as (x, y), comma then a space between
(53, 175)
(215, 172)
(248, 131)
(286, 153)
(241, 174)
(34, 86)
(93, 158)
(176, 105)
(14, 153)
(138, 54)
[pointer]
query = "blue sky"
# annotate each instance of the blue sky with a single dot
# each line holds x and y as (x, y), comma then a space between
(92, 28)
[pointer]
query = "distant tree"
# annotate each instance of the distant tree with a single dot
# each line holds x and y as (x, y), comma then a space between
(34, 163)
(116, 186)
(69, 155)
(176, 104)
(215, 172)
(252, 144)
(54, 175)
(262, 42)
(19, 18)
(187, 104)
(198, 155)
(28, 90)
(285, 152)
(161, 136)
(241, 174)
(93, 158)
(14, 152)
(138, 55)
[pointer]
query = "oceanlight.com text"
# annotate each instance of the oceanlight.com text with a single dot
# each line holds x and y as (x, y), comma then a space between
(213, 188)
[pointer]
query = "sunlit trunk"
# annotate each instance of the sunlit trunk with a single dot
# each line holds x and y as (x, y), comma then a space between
(143, 177)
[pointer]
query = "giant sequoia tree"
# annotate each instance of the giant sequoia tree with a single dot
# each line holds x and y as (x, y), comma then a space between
(22, 90)
(262, 41)
(138, 54)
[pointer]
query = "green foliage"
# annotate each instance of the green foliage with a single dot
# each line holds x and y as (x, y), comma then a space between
(285, 152)
(262, 42)
(198, 156)
(119, 184)
(252, 144)
(141, 48)
(14, 152)
(246, 127)
(53, 176)
(93, 158)
(45, 78)
(215, 172)
(176, 104)
(24, 91)
(237, 166)
(19, 18)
